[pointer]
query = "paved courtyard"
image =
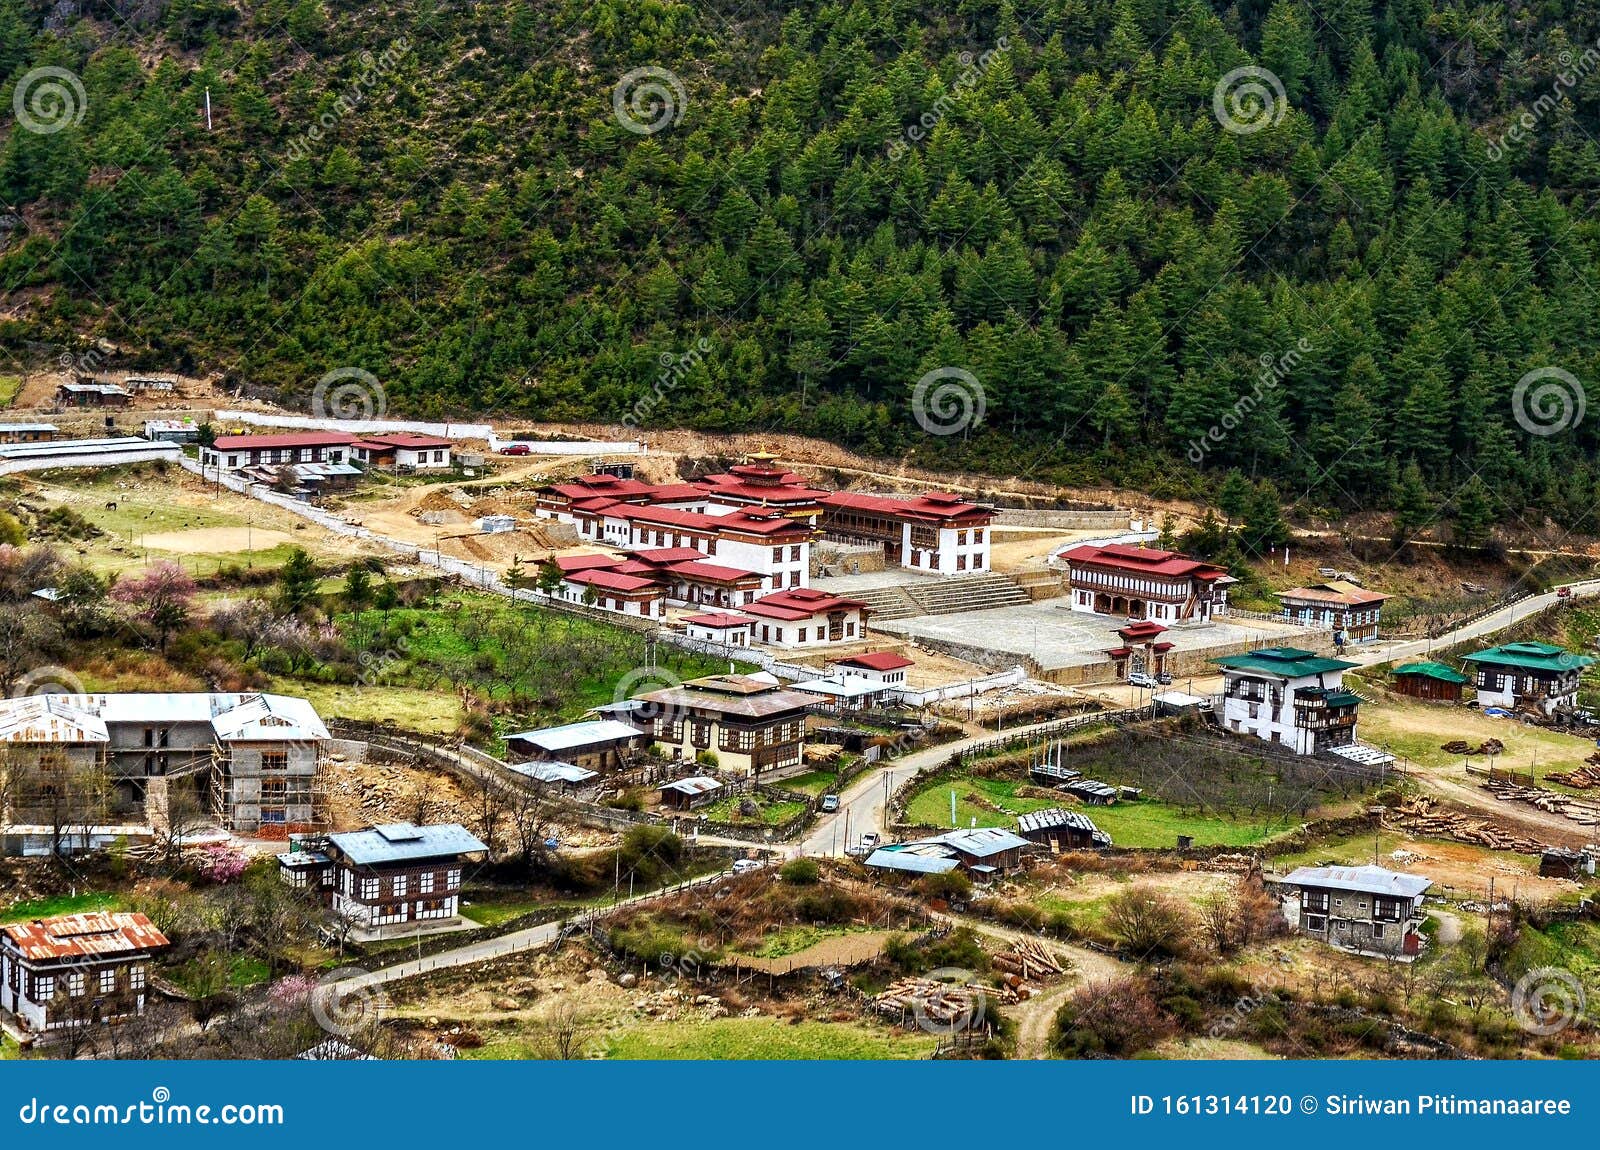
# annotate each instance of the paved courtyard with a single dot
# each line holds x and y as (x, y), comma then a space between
(1057, 637)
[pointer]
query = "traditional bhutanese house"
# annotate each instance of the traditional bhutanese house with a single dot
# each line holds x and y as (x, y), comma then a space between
(690, 794)
(1288, 696)
(1144, 583)
(608, 590)
(938, 532)
(93, 395)
(598, 745)
(1429, 680)
(392, 873)
(691, 581)
(1350, 612)
(76, 969)
(403, 451)
(719, 627)
(759, 539)
(1061, 830)
(1532, 674)
(1364, 908)
(759, 482)
(750, 725)
(806, 617)
(1142, 649)
(240, 452)
(882, 667)
(561, 501)
(844, 692)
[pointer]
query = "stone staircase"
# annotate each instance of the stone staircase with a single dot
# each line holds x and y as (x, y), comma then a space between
(960, 593)
(887, 603)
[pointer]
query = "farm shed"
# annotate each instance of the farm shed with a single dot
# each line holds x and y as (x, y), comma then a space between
(1429, 680)
(1061, 830)
(691, 793)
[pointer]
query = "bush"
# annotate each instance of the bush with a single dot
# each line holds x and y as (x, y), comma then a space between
(952, 885)
(1148, 923)
(800, 872)
(1119, 1018)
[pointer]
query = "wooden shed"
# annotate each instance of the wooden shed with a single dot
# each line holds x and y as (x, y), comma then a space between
(1428, 680)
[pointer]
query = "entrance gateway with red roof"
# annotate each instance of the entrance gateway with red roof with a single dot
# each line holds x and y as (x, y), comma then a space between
(1145, 583)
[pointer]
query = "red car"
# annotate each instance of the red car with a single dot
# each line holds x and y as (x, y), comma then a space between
(517, 449)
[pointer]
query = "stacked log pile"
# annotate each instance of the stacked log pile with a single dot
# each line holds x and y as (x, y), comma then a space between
(1028, 959)
(941, 1003)
(1583, 778)
(1462, 747)
(1580, 811)
(1423, 819)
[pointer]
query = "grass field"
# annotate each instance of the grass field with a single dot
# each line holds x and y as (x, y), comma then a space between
(772, 811)
(60, 904)
(793, 939)
(10, 385)
(1147, 823)
(409, 708)
(812, 783)
(765, 1038)
(1418, 731)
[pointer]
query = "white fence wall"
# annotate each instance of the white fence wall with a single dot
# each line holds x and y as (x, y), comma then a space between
(444, 430)
(97, 459)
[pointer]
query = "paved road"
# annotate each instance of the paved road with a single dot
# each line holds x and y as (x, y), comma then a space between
(862, 805)
(1477, 629)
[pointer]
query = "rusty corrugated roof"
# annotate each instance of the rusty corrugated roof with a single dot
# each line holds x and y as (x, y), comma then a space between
(75, 935)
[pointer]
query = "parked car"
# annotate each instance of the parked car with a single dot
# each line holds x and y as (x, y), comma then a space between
(1563, 592)
(745, 866)
(517, 449)
(1140, 679)
(869, 842)
(1165, 678)
(830, 803)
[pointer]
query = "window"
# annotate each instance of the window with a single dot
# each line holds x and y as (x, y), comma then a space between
(961, 538)
(1377, 930)
(74, 983)
(44, 989)
(399, 885)
(803, 632)
(453, 879)
(777, 554)
(135, 978)
(369, 888)
(425, 883)
(274, 760)
(1316, 922)
(108, 981)
(794, 553)
(977, 535)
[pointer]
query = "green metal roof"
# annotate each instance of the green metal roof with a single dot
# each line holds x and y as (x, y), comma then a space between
(1432, 671)
(1286, 662)
(1534, 656)
(1341, 699)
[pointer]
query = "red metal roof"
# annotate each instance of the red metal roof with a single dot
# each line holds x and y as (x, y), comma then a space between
(712, 572)
(77, 935)
(801, 603)
(571, 563)
(668, 555)
(937, 505)
(1145, 560)
(297, 439)
(719, 620)
(877, 661)
(406, 439)
(745, 522)
(612, 581)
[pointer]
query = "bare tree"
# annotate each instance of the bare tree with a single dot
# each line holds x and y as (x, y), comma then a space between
(564, 1033)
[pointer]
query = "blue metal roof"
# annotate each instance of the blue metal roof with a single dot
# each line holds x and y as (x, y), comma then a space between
(898, 857)
(399, 842)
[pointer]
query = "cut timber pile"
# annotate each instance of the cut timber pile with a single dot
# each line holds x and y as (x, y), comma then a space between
(1582, 778)
(1422, 818)
(1028, 959)
(1462, 747)
(1578, 810)
(937, 1002)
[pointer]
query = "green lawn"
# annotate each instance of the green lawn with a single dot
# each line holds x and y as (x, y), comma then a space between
(59, 904)
(408, 708)
(1356, 850)
(10, 385)
(1145, 823)
(497, 907)
(794, 939)
(765, 1038)
(814, 783)
(773, 811)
